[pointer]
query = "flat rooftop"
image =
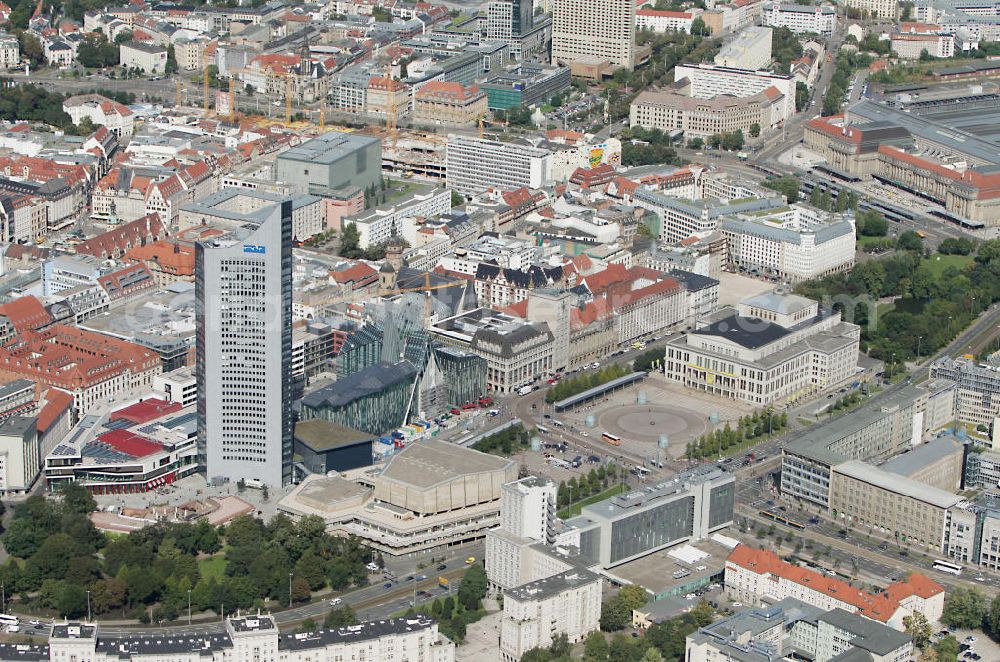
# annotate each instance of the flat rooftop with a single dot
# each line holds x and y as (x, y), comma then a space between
(907, 487)
(329, 148)
(322, 435)
(431, 462)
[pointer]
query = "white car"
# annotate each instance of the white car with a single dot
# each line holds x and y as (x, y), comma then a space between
(34, 623)
(335, 602)
(737, 604)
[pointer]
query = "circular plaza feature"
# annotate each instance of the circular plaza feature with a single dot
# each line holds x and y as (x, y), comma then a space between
(645, 424)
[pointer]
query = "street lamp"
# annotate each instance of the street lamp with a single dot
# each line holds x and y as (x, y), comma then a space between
(88, 607)
(189, 606)
(289, 590)
(919, 338)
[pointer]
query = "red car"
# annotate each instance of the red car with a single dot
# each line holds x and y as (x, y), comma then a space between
(469, 405)
(455, 411)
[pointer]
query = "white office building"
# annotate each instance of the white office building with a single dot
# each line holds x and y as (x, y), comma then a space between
(243, 284)
(593, 32)
(751, 49)
(20, 455)
(533, 614)
(475, 165)
(682, 219)
(801, 19)
(659, 20)
(791, 243)
(376, 226)
(245, 639)
(711, 80)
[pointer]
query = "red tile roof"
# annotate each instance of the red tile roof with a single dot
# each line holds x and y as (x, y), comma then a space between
(356, 273)
(447, 90)
(663, 13)
(123, 238)
(169, 257)
(26, 314)
(876, 606)
(56, 404)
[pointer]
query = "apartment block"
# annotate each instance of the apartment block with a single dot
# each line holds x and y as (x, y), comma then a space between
(801, 19)
(590, 33)
(475, 165)
(533, 614)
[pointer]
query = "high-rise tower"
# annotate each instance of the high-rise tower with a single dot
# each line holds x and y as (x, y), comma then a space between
(243, 289)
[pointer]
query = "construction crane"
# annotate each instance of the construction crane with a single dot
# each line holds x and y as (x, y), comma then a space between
(232, 98)
(360, 295)
(322, 115)
(288, 98)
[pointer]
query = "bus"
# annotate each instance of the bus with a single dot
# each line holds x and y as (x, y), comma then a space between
(612, 439)
(947, 566)
(542, 428)
(781, 519)
(921, 234)
(8, 620)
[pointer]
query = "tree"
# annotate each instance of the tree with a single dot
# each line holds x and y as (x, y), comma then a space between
(595, 647)
(560, 645)
(698, 27)
(946, 649)
(123, 37)
(872, 223)
(964, 608)
(473, 587)
(457, 627)
(651, 655)
(615, 615)
(457, 199)
(754, 130)
(633, 595)
(31, 48)
(909, 241)
(801, 96)
(696, 143)
(917, 626)
(733, 141)
(992, 625)
(340, 617)
(789, 186)
(76, 498)
(350, 240)
(171, 65)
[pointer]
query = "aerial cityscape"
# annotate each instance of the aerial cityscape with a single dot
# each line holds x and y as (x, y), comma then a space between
(500, 331)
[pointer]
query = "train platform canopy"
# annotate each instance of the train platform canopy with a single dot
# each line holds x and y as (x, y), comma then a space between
(597, 391)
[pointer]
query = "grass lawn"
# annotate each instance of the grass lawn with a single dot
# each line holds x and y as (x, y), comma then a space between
(574, 510)
(213, 566)
(938, 263)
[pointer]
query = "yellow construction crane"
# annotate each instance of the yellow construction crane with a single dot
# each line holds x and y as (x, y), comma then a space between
(232, 98)
(322, 115)
(288, 98)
